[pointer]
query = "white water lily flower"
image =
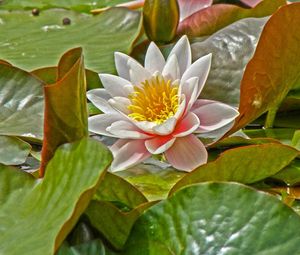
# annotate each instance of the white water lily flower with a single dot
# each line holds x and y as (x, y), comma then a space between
(155, 109)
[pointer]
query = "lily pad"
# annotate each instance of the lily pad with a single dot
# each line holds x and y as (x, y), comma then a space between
(21, 103)
(40, 213)
(274, 69)
(246, 164)
(13, 151)
(231, 48)
(216, 218)
(113, 30)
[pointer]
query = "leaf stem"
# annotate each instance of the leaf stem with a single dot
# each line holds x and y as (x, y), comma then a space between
(271, 117)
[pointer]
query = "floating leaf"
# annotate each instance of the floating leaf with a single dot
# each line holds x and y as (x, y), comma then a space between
(274, 68)
(21, 103)
(216, 218)
(113, 224)
(211, 19)
(40, 213)
(13, 151)
(246, 164)
(117, 28)
(114, 188)
(65, 106)
(153, 181)
(231, 48)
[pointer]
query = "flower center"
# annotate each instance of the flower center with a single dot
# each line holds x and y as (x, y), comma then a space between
(155, 101)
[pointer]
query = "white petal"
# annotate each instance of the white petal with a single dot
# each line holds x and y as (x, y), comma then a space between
(131, 153)
(187, 125)
(100, 97)
(214, 115)
(159, 144)
(115, 85)
(154, 60)
(121, 104)
(126, 130)
(137, 72)
(146, 126)
(187, 153)
(190, 89)
(200, 69)
(122, 67)
(118, 145)
(99, 123)
(182, 50)
(166, 127)
(181, 108)
(171, 69)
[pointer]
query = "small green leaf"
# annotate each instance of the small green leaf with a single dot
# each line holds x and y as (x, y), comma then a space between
(290, 174)
(113, 224)
(115, 189)
(246, 164)
(216, 218)
(40, 213)
(13, 151)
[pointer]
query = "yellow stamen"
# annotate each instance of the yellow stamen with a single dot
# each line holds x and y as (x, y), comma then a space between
(156, 101)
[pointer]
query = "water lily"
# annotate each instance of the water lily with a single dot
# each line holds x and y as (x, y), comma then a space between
(155, 109)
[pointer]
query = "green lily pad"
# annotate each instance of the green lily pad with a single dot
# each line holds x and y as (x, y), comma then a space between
(13, 151)
(153, 181)
(21, 103)
(112, 223)
(100, 37)
(246, 164)
(40, 213)
(231, 48)
(115, 189)
(77, 5)
(216, 218)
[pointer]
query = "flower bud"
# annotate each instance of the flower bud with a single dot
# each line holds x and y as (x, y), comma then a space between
(161, 19)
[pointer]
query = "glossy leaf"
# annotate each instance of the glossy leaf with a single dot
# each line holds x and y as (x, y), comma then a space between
(65, 106)
(21, 103)
(209, 20)
(246, 164)
(13, 151)
(231, 48)
(115, 189)
(216, 218)
(290, 174)
(153, 181)
(274, 68)
(235, 141)
(40, 213)
(187, 8)
(112, 223)
(76, 5)
(117, 28)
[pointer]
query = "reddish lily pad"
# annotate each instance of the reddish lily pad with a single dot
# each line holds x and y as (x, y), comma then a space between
(212, 19)
(274, 69)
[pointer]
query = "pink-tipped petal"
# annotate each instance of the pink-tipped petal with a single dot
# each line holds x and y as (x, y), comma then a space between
(100, 97)
(154, 60)
(200, 69)
(171, 70)
(182, 50)
(126, 130)
(137, 72)
(187, 125)
(159, 144)
(166, 127)
(115, 85)
(118, 145)
(121, 104)
(187, 153)
(131, 153)
(99, 123)
(214, 115)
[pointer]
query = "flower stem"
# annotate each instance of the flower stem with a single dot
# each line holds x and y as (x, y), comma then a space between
(271, 117)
